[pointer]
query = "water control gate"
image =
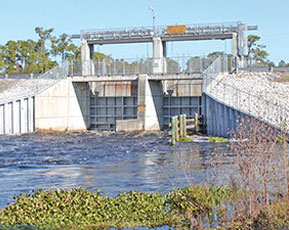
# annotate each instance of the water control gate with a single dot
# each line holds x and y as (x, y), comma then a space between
(174, 105)
(104, 111)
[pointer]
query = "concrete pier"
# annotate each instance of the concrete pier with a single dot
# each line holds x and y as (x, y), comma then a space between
(149, 107)
(159, 54)
(87, 51)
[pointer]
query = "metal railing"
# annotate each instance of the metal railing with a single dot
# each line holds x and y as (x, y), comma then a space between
(221, 64)
(52, 76)
(58, 72)
(120, 33)
(133, 66)
(274, 114)
(251, 65)
(38, 84)
(20, 76)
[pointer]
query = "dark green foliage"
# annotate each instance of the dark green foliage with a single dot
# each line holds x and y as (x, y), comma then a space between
(80, 209)
(17, 57)
(256, 50)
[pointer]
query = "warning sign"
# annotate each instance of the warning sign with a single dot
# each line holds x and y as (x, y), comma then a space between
(180, 29)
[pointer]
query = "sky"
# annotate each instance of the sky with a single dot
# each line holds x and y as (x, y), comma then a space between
(19, 18)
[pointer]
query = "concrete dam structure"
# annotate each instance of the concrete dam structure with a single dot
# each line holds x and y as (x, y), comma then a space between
(134, 103)
(117, 104)
(120, 96)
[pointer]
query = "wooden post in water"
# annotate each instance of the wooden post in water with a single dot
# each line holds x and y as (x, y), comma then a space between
(185, 124)
(173, 131)
(196, 123)
(181, 118)
(177, 129)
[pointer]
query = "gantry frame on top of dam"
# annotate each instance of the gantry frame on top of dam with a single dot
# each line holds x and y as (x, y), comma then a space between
(159, 36)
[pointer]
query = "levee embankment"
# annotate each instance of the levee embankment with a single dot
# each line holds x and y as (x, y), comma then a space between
(260, 95)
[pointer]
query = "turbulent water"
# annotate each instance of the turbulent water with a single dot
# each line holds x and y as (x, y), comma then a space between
(107, 161)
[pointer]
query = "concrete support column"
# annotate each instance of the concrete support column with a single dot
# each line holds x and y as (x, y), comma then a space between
(87, 64)
(141, 106)
(150, 103)
(240, 48)
(235, 50)
(154, 106)
(17, 113)
(31, 127)
(8, 116)
(159, 52)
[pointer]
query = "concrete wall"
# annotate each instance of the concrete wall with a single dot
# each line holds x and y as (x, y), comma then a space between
(63, 107)
(220, 119)
(121, 88)
(131, 125)
(17, 116)
(184, 87)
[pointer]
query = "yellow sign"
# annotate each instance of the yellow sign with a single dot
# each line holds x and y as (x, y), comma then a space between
(181, 29)
(141, 108)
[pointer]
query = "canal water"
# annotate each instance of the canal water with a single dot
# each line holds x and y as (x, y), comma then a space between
(107, 161)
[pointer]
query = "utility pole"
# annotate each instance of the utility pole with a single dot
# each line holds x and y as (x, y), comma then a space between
(153, 11)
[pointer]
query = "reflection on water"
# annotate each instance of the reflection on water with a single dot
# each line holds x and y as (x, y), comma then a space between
(107, 161)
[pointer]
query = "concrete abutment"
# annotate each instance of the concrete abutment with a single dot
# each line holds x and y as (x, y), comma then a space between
(63, 107)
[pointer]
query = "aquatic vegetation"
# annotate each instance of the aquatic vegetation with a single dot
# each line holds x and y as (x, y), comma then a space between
(191, 207)
(78, 208)
(186, 139)
(218, 139)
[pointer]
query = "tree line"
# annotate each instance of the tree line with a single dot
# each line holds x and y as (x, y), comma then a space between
(257, 52)
(38, 56)
(30, 56)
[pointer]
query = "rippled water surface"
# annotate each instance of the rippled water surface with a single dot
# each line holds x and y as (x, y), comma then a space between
(107, 161)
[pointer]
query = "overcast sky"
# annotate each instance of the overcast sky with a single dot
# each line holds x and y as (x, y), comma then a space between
(19, 18)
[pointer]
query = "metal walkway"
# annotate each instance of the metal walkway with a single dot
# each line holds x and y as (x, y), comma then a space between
(146, 34)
